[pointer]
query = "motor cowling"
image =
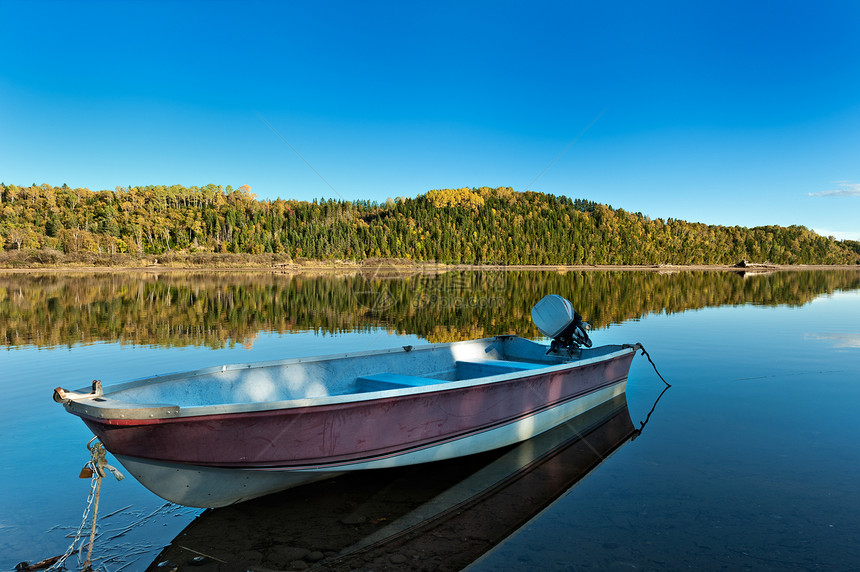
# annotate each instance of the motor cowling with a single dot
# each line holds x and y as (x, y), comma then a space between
(555, 318)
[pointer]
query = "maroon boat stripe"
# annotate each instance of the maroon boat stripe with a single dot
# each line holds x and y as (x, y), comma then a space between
(351, 432)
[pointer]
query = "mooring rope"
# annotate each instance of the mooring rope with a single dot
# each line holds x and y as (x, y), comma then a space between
(79, 533)
(95, 469)
(642, 424)
(638, 346)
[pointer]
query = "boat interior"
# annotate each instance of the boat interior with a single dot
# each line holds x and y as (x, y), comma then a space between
(346, 374)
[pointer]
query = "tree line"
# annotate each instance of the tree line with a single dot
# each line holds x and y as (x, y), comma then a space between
(469, 225)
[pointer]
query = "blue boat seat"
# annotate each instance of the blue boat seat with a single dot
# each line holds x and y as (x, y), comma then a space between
(383, 381)
(484, 368)
(465, 370)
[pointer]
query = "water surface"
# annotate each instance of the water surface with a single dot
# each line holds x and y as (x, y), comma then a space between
(749, 460)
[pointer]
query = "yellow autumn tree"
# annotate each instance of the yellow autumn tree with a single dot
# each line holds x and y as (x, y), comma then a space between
(464, 197)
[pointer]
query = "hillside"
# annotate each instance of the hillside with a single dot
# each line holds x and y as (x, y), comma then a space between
(479, 225)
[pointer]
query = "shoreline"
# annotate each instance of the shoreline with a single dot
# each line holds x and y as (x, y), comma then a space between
(419, 268)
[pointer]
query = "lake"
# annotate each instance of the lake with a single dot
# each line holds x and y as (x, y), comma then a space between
(749, 460)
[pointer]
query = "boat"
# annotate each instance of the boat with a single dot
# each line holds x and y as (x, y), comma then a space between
(448, 513)
(226, 434)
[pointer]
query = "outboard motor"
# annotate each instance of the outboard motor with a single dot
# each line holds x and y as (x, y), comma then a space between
(555, 318)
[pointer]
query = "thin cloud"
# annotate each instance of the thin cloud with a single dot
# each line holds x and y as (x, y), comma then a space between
(845, 189)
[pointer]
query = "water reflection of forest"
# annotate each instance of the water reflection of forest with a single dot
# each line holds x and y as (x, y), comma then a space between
(218, 309)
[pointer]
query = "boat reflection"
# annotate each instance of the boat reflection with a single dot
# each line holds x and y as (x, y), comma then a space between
(438, 516)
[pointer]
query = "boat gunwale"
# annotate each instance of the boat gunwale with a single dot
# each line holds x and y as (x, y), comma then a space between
(148, 413)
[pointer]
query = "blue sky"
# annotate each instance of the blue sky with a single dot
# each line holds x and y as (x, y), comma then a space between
(733, 113)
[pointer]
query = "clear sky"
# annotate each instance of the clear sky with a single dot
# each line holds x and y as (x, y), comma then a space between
(726, 112)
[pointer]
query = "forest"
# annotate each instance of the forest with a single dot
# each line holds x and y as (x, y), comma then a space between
(450, 226)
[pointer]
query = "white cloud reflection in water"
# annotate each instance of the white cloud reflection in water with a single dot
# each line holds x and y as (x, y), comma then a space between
(851, 340)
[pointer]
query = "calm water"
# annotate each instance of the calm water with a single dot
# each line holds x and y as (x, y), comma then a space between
(749, 461)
